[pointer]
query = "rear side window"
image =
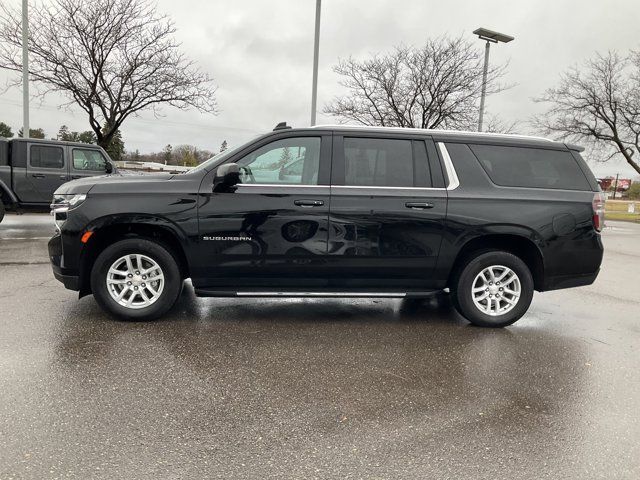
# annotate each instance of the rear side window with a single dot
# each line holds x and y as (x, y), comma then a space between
(43, 156)
(531, 167)
(372, 162)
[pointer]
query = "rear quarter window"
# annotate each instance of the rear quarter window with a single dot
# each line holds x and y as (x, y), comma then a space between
(530, 167)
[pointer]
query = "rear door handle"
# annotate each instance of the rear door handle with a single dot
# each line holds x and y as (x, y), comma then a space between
(75, 177)
(37, 175)
(309, 203)
(419, 205)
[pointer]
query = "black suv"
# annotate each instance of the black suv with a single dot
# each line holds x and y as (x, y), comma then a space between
(338, 211)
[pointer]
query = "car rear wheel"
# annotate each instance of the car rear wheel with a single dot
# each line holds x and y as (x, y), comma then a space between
(494, 289)
(2, 210)
(136, 279)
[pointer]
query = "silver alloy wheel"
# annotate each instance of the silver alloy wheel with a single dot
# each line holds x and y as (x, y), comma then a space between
(496, 290)
(135, 281)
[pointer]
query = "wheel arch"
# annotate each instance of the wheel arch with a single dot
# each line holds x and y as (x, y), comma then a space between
(106, 233)
(518, 245)
(6, 195)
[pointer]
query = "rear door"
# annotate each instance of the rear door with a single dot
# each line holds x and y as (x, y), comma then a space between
(46, 171)
(388, 206)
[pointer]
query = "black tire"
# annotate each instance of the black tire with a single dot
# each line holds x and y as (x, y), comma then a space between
(462, 285)
(2, 210)
(158, 253)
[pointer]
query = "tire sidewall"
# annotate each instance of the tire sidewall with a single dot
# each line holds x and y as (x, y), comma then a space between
(464, 299)
(2, 211)
(160, 254)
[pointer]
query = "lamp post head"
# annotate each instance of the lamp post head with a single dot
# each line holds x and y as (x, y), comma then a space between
(491, 36)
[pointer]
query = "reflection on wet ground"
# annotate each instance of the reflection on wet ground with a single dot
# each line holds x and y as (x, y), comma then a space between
(242, 388)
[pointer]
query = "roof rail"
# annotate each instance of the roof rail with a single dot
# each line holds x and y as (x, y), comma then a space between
(431, 131)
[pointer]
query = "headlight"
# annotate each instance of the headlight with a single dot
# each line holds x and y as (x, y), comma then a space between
(65, 202)
(62, 203)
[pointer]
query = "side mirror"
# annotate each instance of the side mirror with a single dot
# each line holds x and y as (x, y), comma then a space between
(108, 167)
(227, 175)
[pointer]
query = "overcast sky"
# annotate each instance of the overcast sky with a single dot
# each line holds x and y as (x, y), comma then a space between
(260, 55)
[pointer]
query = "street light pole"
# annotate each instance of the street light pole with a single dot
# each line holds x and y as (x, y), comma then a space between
(484, 83)
(25, 69)
(316, 49)
(490, 37)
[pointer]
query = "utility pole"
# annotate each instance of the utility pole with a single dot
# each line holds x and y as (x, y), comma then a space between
(25, 69)
(316, 50)
(615, 188)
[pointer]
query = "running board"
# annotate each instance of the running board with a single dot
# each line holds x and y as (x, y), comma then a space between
(202, 292)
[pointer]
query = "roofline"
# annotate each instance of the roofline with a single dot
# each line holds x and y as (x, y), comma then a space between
(428, 131)
(44, 140)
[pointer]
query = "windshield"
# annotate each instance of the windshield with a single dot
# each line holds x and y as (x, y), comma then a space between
(219, 158)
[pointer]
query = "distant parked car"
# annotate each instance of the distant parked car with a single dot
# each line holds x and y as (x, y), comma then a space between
(32, 169)
(359, 212)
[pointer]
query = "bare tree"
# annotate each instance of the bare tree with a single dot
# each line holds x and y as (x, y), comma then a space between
(113, 58)
(495, 124)
(599, 104)
(437, 85)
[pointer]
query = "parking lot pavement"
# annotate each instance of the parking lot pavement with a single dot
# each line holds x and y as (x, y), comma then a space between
(226, 388)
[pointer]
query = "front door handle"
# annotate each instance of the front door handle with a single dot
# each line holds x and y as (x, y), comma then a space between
(37, 175)
(419, 205)
(309, 203)
(75, 177)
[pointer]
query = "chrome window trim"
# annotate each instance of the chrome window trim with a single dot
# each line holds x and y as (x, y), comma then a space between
(288, 185)
(386, 188)
(448, 166)
(369, 187)
(452, 175)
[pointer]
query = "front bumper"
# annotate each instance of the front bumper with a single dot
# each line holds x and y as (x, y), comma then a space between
(69, 278)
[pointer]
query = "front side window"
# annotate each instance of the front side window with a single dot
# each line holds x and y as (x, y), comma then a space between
(384, 162)
(530, 167)
(293, 161)
(84, 159)
(45, 156)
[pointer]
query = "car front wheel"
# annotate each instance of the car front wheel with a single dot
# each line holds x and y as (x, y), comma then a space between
(136, 279)
(494, 289)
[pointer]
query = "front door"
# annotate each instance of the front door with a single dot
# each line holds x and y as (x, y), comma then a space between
(86, 162)
(387, 212)
(270, 230)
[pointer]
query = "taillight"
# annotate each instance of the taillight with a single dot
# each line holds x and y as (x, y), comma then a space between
(598, 211)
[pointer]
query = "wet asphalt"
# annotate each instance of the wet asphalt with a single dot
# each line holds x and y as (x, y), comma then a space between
(295, 388)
